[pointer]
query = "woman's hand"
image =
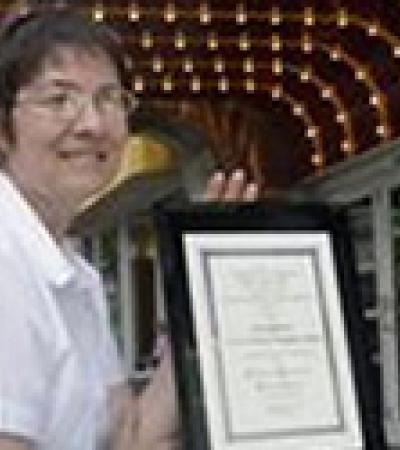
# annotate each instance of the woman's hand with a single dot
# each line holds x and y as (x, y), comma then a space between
(158, 425)
(235, 187)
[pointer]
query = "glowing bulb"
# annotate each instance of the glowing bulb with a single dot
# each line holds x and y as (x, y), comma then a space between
(212, 41)
(147, 39)
(244, 42)
(335, 54)
(396, 51)
(134, 12)
(98, 13)
(276, 92)
(167, 83)
(382, 130)
(306, 44)
(342, 18)
(138, 83)
(361, 74)
(317, 159)
(22, 7)
(241, 14)
(275, 16)
(326, 93)
(341, 117)
(170, 13)
(276, 43)
(158, 64)
(305, 74)
(223, 84)
(346, 146)
(372, 29)
(205, 13)
(250, 85)
(187, 65)
(219, 64)
(374, 100)
(309, 17)
(277, 66)
(196, 84)
(298, 109)
(311, 132)
(248, 65)
(180, 40)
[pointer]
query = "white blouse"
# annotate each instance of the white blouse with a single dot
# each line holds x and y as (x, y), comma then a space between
(57, 355)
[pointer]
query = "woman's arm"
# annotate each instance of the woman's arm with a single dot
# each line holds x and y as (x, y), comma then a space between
(149, 421)
(11, 443)
(152, 422)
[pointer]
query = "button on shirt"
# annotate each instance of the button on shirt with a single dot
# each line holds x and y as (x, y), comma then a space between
(57, 355)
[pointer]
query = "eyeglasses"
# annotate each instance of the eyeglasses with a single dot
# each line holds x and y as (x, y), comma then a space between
(67, 104)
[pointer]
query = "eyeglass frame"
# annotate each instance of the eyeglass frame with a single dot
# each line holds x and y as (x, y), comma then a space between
(74, 94)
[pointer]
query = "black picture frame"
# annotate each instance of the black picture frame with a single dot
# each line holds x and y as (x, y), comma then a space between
(174, 221)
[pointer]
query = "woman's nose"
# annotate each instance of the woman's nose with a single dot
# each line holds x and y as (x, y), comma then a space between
(88, 118)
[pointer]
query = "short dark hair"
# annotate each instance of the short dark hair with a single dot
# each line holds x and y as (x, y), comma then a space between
(28, 39)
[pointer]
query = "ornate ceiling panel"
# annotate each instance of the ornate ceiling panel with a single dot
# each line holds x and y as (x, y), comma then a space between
(287, 87)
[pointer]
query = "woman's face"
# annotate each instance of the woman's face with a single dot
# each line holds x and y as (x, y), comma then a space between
(69, 131)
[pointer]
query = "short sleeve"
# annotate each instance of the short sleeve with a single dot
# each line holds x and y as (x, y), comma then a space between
(24, 361)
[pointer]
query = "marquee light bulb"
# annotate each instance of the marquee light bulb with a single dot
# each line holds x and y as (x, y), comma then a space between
(241, 14)
(250, 85)
(205, 13)
(134, 12)
(170, 13)
(98, 13)
(275, 17)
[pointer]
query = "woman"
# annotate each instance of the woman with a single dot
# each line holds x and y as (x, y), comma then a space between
(63, 126)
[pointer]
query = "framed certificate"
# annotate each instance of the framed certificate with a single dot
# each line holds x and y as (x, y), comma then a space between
(261, 301)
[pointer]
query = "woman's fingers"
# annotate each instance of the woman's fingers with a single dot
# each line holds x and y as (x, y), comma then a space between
(251, 192)
(230, 189)
(215, 186)
(235, 186)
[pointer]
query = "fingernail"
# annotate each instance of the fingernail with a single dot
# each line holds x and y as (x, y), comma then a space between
(252, 187)
(238, 174)
(219, 176)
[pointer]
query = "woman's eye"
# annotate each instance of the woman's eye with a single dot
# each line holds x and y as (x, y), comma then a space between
(58, 99)
(111, 97)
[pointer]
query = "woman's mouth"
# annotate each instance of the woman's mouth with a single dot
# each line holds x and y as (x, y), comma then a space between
(99, 155)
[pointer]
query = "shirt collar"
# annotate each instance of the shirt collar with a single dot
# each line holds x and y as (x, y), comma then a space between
(33, 235)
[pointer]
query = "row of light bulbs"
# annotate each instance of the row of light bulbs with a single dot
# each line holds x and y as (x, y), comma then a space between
(248, 65)
(277, 94)
(277, 67)
(187, 64)
(376, 98)
(223, 84)
(243, 41)
(196, 84)
(275, 17)
(205, 14)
